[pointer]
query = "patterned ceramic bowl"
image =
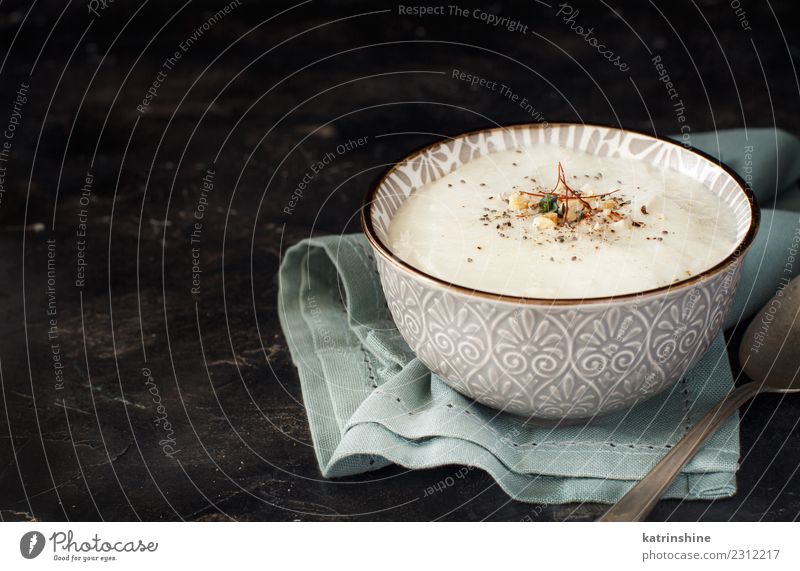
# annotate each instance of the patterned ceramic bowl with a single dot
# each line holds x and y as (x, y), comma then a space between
(557, 359)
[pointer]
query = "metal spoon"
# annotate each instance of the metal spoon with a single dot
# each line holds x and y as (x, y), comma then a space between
(774, 366)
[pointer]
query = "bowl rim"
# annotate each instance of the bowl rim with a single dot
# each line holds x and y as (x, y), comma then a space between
(739, 251)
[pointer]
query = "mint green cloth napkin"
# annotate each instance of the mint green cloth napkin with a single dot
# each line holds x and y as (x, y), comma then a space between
(371, 403)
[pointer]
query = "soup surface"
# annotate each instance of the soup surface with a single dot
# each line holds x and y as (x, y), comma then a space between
(551, 222)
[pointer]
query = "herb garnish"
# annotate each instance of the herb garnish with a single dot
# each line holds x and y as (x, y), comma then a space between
(548, 203)
(557, 200)
(562, 208)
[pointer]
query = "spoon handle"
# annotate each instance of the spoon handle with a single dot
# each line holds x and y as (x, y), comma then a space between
(640, 500)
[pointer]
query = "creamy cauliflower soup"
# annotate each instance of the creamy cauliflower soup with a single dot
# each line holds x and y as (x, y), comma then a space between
(551, 222)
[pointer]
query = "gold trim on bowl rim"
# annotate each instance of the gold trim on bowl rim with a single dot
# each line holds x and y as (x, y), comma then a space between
(386, 253)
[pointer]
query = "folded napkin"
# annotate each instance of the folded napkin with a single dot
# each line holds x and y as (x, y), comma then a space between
(371, 403)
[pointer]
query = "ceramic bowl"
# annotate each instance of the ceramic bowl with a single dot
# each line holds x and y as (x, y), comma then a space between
(557, 359)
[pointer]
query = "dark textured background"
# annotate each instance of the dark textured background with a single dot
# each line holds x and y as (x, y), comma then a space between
(269, 94)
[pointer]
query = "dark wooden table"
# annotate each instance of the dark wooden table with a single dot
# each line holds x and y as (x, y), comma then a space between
(130, 121)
